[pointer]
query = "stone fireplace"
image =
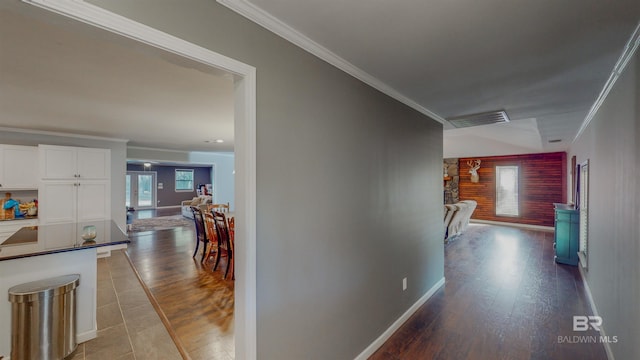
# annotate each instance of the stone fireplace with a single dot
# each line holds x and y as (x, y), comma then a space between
(451, 180)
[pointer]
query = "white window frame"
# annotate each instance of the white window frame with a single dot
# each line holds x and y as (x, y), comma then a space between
(175, 180)
(517, 188)
(583, 206)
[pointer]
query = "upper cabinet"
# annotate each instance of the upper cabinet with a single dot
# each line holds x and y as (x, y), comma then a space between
(66, 162)
(18, 167)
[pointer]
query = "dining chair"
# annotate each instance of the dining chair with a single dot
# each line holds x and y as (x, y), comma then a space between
(201, 232)
(232, 243)
(210, 229)
(220, 207)
(224, 242)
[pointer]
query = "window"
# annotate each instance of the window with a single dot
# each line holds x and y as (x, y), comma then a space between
(184, 180)
(507, 191)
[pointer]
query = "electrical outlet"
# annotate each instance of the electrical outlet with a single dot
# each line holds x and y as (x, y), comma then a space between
(404, 284)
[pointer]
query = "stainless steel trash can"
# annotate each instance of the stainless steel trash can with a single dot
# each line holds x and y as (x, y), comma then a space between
(43, 318)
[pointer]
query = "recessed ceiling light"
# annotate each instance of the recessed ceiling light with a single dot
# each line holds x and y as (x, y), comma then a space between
(219, 141)
(147, 164)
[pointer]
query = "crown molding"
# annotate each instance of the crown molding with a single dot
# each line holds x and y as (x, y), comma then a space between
(628, 52)
(271, 23)
(63, 134)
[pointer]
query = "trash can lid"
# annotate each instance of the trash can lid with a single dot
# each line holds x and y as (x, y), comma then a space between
(44, 288)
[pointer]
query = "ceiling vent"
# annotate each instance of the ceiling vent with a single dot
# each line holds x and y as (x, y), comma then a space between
(486, 118)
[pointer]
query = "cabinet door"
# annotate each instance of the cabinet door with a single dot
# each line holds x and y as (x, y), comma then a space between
(57, 162)
(57, 202)
(563, 229)
(93, 201)
(94, 163)
(20, 167)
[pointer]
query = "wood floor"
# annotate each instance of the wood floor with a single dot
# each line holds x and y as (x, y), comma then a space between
(197, 301)
(504, 298)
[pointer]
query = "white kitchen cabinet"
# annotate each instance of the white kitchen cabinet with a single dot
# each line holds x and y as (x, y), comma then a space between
(75, 184)
(67, 162)
(93, 200)
(58, 201)
(62, 201)
(18, 167)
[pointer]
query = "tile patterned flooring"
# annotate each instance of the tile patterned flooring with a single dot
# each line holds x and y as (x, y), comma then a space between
(128, 325)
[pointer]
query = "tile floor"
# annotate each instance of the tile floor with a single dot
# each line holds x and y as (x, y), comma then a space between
(128, 325)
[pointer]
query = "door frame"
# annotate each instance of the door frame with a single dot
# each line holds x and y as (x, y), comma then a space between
(154, 189)
(245, 146)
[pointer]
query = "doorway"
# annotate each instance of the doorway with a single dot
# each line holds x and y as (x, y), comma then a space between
(244, 77)
(141, 190)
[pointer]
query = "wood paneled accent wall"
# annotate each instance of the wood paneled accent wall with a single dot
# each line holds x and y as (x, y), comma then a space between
(542, 182)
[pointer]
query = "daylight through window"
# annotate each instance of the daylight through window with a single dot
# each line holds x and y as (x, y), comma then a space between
(507, 191)
(184, 180)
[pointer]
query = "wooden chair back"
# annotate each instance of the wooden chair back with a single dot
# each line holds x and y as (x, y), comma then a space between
(220, 207)
(198, 219)
(224, 240)
(201, 232)
(210, 227)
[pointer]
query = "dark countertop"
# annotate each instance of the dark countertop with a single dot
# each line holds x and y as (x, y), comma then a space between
(19, 218)
(559, 206)
(55, 238)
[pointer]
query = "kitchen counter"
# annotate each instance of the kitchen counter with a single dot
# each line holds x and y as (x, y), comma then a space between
(19, 218)
(55, 238)
(38, 252)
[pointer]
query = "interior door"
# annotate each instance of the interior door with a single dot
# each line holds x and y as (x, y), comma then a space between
(141, 189)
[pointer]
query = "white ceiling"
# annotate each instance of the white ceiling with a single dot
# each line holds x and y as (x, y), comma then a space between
(543, 61)
(62, 76)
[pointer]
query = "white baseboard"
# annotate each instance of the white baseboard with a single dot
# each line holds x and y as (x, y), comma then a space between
(103, 253)
(607, 346)
(522, 226)
(86, 336)
(396, 324)
(118, 246)
(168, 206)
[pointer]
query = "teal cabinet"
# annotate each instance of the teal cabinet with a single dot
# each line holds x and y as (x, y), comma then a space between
(567, 240)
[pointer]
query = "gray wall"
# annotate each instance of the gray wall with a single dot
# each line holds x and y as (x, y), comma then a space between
(223, 167)
(349, 189)
(168, 196)
(612, 146)
(118, 161)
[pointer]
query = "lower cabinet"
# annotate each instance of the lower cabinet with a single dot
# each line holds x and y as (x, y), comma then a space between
(74, 201)
(567, 235)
